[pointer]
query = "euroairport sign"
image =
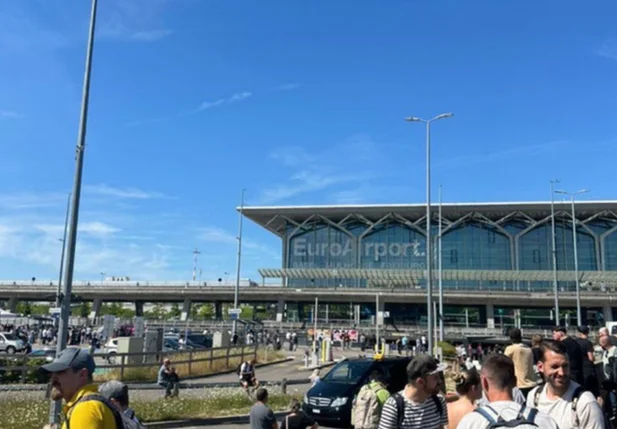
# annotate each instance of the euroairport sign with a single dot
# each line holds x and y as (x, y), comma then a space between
(373, 249)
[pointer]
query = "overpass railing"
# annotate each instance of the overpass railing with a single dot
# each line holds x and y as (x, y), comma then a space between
(141, 367)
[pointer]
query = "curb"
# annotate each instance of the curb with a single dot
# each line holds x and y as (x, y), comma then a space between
(154, 386)
(209, 421)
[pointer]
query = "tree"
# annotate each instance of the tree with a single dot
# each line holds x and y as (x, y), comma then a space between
(84, 309)
(174, 311)
(158, 311)
(24, 308)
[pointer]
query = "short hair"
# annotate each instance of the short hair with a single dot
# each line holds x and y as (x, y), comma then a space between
(115, 390)
(536, 340)
(515, 335)
(261, 394)
(561, 329)
(499, 369)
(295, 406)
(556, 347)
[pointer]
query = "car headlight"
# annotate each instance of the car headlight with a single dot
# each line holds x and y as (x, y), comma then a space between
(338, 402)
(305, 400)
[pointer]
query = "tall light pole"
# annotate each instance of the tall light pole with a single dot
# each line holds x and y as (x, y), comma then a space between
(196, 254)
(572, 195)
(238, 262)
(71, 239)
(429, 255)
(63, 240)
(554, 245)
(440, 268)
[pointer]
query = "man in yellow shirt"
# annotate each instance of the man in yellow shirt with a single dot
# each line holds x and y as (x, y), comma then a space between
(71, 380)
(522, 356)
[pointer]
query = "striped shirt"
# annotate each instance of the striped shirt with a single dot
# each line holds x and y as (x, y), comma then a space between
(417, 416)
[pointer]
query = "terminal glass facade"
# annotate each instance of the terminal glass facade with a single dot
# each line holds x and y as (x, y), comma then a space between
(471, 241)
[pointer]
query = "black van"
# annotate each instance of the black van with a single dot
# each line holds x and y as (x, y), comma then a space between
(331, 399)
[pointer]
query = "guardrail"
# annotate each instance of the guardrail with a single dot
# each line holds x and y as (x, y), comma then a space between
(188, 363)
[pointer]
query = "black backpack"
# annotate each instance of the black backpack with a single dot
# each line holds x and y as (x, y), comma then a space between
(400, 407)
(122, 421)
(496, 421)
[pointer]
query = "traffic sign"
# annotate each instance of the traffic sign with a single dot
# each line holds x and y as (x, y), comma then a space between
(55, 310)
(235, 311)
(235, 316)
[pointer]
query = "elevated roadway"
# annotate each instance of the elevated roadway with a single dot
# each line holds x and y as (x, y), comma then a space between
(187, 291)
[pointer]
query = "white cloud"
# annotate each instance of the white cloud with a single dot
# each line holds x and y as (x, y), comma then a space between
(286, 87)
(22, 201)
(9, 114)
(319, 171)
(150, 35)
(240, 96)
(124, 193)
(609, 49)
(292, 156)
(133, 21)
(218, 235)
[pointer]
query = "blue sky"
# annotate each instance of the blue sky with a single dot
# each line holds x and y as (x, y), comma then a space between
(299, 102)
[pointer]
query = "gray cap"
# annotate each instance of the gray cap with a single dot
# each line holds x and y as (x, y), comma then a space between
(114, 389)
(71, 357)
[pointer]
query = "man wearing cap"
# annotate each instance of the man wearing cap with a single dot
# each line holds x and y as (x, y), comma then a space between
(71, 380)
(418, 405)
(118, 394)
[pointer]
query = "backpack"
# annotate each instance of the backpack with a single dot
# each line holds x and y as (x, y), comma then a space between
(122, 421)
(239, 368)
(575, 396)
(367, 411)
(400, 407)
(520, 421)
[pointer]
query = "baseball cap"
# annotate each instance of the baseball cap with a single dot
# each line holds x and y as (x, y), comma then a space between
(71, 357)
(114, 389)
(583, 329)
(423, 365)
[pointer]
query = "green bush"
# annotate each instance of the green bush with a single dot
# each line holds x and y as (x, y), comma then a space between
(31, 376)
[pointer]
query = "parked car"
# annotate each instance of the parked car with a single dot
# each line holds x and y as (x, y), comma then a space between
(11, 343)
(330, 401)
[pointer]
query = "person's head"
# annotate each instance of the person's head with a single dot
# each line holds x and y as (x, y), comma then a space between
(261, 395)
(605, 342)
(166, 362)
(117, 392)
(295, 406)
(554, 365)
(423, 374)
(582, 331)
(498, 377)
(515, 336)
(536, 340)
(467, 383)
(559, 333)
(71, 370)
(379, 377)
(603, 332)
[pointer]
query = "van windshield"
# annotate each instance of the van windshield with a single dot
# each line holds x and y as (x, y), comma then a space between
(349, 372)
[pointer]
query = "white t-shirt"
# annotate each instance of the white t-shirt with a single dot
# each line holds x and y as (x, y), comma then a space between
(508, 410)
(588, 410)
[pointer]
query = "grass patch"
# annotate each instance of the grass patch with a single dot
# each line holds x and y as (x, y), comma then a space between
(19, 414)
(220, 363)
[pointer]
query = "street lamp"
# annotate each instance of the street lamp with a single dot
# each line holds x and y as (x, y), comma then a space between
(429, 256)
(554, 245)
(572, 195)
(238, 265)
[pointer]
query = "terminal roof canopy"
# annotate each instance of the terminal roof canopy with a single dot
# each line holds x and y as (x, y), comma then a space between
(274, 218)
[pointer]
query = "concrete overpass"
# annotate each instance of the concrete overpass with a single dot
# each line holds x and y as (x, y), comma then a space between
(193, 292)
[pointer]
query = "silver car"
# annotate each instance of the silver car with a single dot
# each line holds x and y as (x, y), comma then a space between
(11, 343)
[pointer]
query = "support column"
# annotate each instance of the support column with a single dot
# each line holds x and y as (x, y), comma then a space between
(356, 314)
(12, 305)
(490, 316)
(96, 308)
(218, 310)
(327, 313)
(186, 310)
(139, 309)
(607, 311)
(280, 310)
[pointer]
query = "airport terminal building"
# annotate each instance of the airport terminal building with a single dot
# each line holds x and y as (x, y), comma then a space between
(494, 247)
